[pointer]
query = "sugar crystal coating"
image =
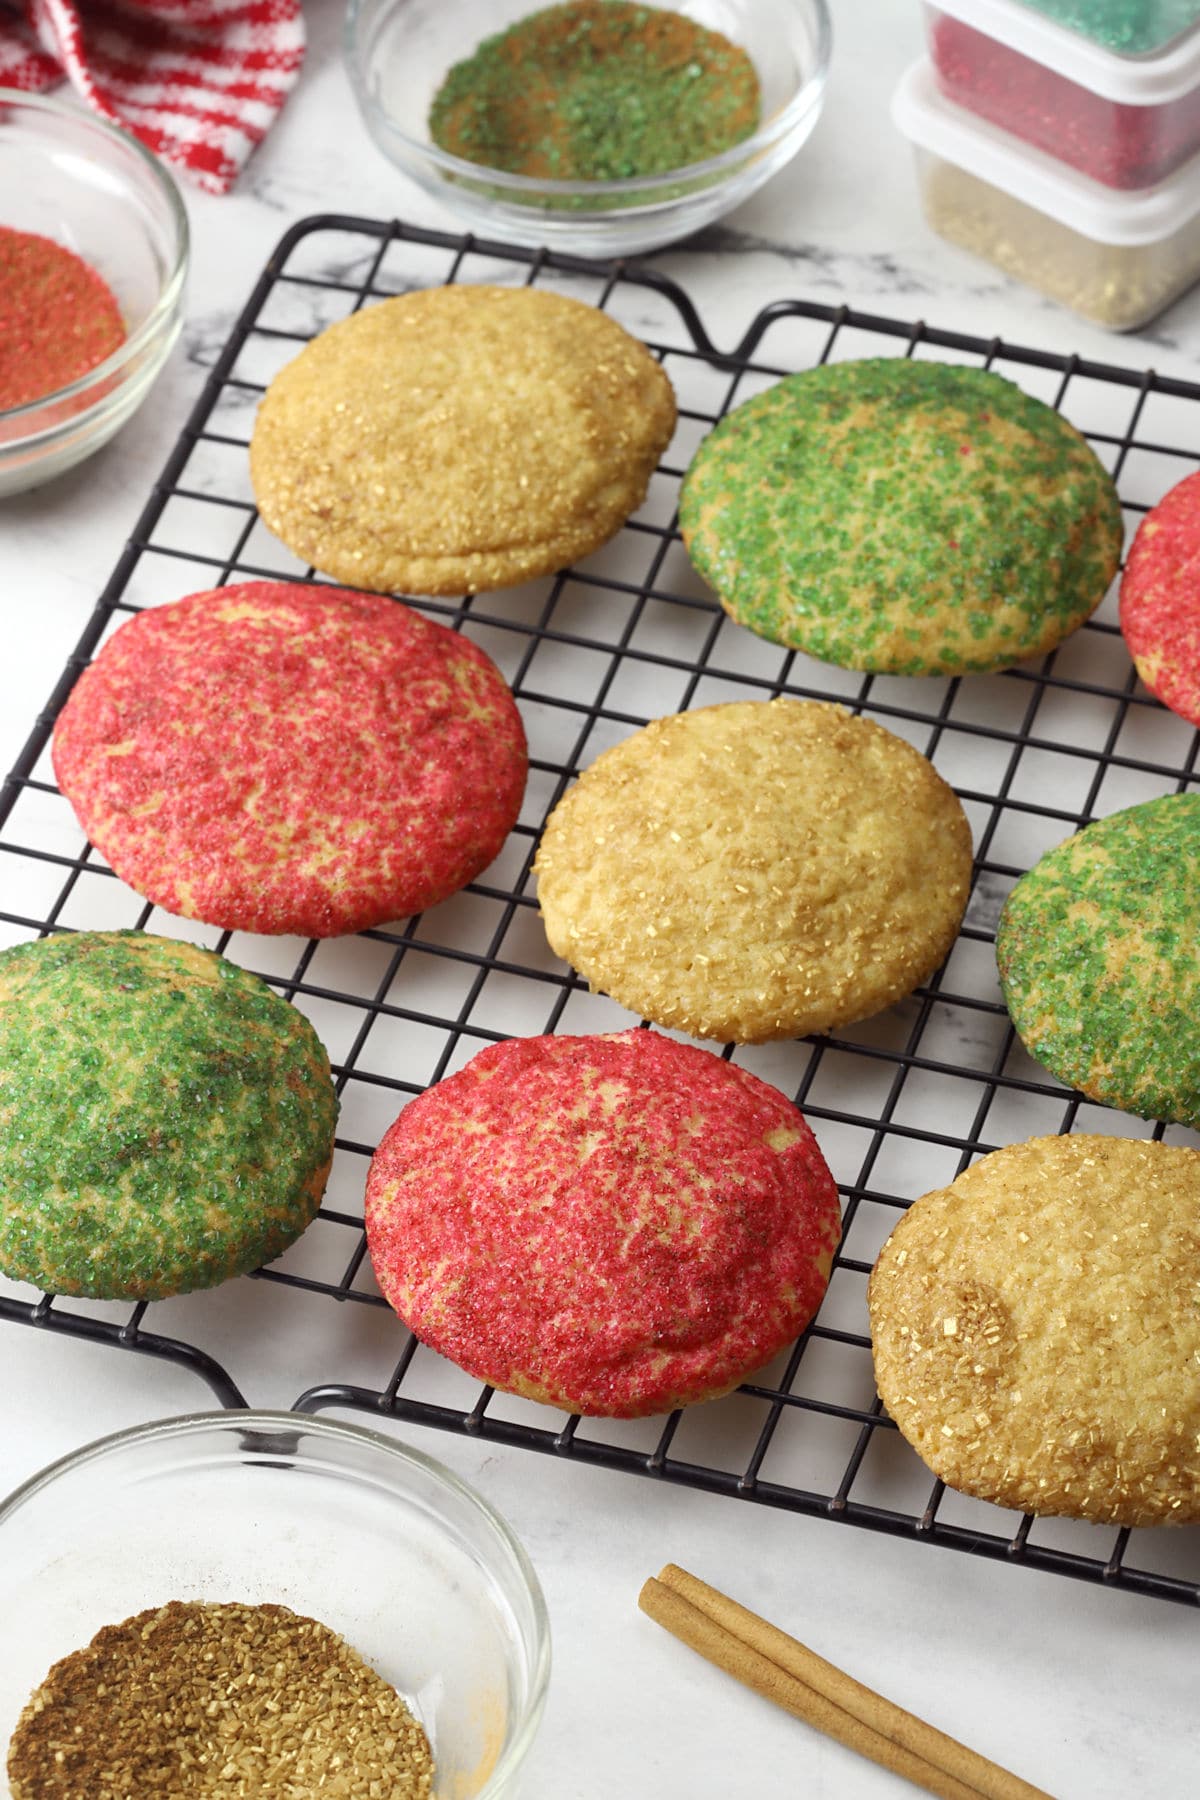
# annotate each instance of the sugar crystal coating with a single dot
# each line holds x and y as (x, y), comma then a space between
(614, 1225)
(1160, 599)
(902, 516)
(1097, 957)
(756, 870)
(166, 1121)
(282, 758)
(459, 439)
(1035, 1329)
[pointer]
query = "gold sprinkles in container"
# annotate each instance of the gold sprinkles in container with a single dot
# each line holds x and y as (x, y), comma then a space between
(1120, 286)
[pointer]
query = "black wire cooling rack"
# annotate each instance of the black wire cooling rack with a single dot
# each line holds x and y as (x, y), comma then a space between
(900, 1103)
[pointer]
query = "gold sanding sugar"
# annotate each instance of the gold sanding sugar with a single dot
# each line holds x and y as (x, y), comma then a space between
(226, 1700)
(1121, 286)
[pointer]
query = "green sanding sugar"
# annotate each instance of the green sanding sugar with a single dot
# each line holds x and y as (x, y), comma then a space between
(1130, 27)
(1097, 957)
(598, 90)
(166, 1121)
(907, 517)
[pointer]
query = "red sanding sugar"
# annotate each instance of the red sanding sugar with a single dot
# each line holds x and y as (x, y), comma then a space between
(616, 1225)
(276, 757)
(1160, 599)
(1121, 146)
(58, 317)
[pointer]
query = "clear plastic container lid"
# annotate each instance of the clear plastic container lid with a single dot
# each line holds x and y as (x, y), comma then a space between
(1108, 215)
(1049, 31)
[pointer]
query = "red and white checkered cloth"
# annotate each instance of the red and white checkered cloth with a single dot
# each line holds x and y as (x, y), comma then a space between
(198, 81)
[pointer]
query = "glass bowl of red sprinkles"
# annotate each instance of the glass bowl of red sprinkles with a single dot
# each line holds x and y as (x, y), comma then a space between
(600, 127)
(93, 261)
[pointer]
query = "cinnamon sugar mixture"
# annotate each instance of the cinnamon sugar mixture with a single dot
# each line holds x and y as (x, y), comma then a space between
(224, 1700)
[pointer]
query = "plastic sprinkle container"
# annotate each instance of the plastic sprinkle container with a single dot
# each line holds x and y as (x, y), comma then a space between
(1127, 121)
(1130, 27)
(1117, 259)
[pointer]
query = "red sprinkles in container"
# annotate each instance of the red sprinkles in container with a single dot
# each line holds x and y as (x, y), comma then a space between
(58, 317)
(1120, 145)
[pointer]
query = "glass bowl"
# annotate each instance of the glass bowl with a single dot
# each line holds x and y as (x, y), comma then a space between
(375, 1540)
(68, 175)
(398, 52)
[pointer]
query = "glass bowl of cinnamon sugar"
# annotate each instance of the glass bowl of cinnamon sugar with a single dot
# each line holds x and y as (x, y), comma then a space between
(600, 127)
(346, 1526)
(93, 262)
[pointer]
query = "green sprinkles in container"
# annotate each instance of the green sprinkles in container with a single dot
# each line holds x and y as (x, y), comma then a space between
(1130, 27)
(906, 517)
(598, 90)
(1097, 956)
(166, 1121)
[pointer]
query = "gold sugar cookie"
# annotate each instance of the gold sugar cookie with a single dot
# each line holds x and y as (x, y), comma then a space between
(1036, 1334)
(459, 439)
(756, 870)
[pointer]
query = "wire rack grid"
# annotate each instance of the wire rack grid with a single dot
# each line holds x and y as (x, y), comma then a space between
(900, 1103)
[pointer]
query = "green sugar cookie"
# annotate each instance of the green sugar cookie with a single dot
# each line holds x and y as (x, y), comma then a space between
(166, 1121)
(910, 518)
(1097, 956)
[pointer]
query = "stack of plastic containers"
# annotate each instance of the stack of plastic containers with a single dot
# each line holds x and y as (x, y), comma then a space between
(1061, 139)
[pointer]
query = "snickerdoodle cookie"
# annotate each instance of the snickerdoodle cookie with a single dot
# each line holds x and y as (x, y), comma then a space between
(1097, 957)
(459, 439)
(1160, 599)
(615, 1225)
(283, 758)
(166, 1120)
(1035, 1330)
(756, 870)
(910, 517)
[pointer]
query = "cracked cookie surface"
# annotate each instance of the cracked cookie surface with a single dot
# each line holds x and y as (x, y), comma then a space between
(615, 1225)
(274, 757)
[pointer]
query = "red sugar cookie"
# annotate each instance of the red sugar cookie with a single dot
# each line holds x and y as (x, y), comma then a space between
(613, 1225)
(1160, 599)
(280, 758)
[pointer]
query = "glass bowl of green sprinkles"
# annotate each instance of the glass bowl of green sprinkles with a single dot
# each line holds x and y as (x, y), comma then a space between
(339, 1523)
(601, 127)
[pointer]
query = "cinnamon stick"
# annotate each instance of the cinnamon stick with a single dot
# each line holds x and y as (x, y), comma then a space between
(805, 1685)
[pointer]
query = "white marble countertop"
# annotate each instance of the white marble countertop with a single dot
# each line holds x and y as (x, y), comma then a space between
(1085, 1692)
